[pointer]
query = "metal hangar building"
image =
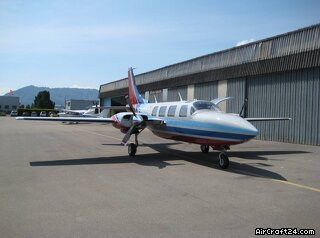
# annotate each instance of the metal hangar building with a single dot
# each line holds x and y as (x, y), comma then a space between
(280, 77)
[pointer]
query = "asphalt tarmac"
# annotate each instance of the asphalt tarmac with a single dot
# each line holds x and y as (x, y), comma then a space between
(61, 180)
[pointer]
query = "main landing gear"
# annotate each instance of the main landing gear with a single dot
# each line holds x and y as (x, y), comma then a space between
(132, 147)
(223, 157)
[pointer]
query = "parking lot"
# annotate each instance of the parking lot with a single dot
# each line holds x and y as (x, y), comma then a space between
(60, 180)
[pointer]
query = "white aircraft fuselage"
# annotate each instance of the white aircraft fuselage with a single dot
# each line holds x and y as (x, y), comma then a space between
(197, 121)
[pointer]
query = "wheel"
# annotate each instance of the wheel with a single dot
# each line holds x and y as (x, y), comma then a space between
(132, 149)
(204, 148)
(223, 160)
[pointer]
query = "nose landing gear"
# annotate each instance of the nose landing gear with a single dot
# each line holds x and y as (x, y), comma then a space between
(223, 158)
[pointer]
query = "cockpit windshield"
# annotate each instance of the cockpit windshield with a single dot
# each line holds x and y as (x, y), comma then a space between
(200, 105)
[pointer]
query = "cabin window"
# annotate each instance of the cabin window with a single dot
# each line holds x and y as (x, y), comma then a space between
(172, 111)
(154, 111)
(183, 111)
(162, 111)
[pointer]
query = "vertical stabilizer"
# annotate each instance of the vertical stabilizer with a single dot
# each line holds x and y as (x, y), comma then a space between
(134, 94)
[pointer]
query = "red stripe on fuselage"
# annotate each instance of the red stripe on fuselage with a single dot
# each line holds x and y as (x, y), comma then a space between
(195, 140)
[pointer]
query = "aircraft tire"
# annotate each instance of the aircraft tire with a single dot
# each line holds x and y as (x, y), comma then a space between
(223, 160)
(204, 149)
(132, 149)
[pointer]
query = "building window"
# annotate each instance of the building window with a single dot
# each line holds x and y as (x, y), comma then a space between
(14, 107)
(162, 111)
(154, 111)
(172, 111)
(6, 107)
(183, 111)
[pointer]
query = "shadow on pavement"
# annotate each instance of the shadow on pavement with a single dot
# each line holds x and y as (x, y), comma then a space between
(167, 155)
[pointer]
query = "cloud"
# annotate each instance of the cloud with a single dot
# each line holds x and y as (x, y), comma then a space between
(244, 42)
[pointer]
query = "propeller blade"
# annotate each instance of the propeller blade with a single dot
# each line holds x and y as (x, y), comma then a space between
(127, 136)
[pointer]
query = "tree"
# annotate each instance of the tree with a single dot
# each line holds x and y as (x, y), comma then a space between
(21, 106)
(42, 100)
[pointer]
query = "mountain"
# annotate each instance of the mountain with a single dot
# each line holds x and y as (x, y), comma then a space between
(57, 95)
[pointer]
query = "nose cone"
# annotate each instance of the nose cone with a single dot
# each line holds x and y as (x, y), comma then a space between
(247, 126)
(228, 123)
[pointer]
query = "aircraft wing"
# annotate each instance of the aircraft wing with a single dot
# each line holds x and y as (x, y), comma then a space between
(269, 119)
(68, 119)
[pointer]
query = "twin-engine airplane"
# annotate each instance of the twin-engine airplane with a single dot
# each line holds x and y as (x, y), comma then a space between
(198, 121)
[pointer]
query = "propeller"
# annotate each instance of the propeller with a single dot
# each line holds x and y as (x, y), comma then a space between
(136, 121)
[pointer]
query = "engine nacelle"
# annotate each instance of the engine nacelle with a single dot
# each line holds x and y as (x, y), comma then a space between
(124, 120)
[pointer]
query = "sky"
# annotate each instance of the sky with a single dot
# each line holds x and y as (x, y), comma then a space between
(85, 43)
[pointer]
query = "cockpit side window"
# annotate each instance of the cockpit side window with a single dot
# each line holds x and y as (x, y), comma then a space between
(183, 111)
(154, 111)
(192, 110)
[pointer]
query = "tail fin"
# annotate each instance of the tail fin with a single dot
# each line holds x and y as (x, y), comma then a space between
(134, 94)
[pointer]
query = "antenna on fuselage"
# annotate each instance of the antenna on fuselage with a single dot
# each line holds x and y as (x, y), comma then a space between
(243, 109)
(180, 97)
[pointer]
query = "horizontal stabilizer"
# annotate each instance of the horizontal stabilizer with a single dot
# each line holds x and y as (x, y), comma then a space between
(269, 119)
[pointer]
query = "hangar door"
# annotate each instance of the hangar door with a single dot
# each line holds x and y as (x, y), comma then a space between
(236, 90)
(206, 91)
(173, 93)
(158, 94)
(292, 94)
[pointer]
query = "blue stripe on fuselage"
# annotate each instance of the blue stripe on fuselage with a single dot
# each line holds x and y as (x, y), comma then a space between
(203, 129)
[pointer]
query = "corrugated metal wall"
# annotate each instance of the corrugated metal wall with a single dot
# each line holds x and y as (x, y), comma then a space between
(235, 89)
(292, 94)
(173, 93)
(291, 43)
(206, 91)
(158, 94)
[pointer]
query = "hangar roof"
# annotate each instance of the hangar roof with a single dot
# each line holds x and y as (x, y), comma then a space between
(289, 51)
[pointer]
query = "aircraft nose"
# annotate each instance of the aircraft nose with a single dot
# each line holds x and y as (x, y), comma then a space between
(248, 128)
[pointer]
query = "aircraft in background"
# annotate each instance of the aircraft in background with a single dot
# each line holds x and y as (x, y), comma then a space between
(91, 112)
(197, 121)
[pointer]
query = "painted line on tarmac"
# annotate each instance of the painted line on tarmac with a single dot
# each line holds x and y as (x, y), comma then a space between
(236, 170)
(278, 180)
(297, 185)
(98, 134)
